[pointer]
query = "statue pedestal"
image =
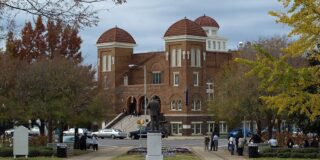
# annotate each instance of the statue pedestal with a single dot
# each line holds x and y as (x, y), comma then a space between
(154, 146)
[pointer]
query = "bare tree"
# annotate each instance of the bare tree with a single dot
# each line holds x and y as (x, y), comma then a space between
(79, 12)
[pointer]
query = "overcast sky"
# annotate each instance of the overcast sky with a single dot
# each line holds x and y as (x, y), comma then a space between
(147, 21)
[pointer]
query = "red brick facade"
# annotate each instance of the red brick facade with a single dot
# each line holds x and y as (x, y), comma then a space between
(180, 102)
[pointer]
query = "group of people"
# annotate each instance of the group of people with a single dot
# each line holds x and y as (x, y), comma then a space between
(83, 142)
(290, 143)
(233, 143)
(213, 141)
(236, 143)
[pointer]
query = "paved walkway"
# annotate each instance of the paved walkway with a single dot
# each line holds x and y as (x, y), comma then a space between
(221, 154)
(105, 153)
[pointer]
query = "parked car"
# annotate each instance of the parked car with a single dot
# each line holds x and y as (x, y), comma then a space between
(239, 131)
(144, 131)
(110, 133)
(34, 131)
(70, 139)
(265, 130)
(9, 132)
(81, 131)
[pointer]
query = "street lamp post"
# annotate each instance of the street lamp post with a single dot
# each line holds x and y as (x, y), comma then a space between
(145, 90)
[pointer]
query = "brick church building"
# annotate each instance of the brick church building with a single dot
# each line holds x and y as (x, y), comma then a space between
(181, 76)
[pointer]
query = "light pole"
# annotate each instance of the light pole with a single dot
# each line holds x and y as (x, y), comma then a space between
(145, 85)
(145, 90)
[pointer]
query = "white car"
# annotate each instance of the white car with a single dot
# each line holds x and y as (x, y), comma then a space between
(110, 133)
(35, 131)
(9, 132)
(70, 132)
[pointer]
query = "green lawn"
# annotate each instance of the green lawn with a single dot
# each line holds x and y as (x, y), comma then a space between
(176, 157)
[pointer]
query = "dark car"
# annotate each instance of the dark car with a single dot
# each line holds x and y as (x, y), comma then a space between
(239, 131)
(70, 139)
(144, 131)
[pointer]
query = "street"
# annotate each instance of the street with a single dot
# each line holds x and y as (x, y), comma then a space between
(166, 142)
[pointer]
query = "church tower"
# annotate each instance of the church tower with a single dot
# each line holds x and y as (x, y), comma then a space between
(115, 48)
(185, 49)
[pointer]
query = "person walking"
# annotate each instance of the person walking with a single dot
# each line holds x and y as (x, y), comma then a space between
(231, 145)
(215, 142)
(241, 143)
(95, 143)
(206, 143)
(211, 141)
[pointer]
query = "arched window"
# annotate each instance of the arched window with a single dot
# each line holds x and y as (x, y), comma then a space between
(179, 105)
(173, 105)
(196, 105)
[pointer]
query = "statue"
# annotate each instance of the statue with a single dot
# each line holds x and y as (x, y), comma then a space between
(154, 107)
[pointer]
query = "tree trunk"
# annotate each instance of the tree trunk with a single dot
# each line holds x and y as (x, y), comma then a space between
(61, 132)
(279, 125)
(76, 139)
(42, 127)
(50, 130)
(259, 127)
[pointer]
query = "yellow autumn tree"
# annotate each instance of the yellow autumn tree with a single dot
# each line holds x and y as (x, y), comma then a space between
(291, 88)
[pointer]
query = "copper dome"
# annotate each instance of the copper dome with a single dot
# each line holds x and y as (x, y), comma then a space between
(116, 34)
(185, 27)
(206, 21)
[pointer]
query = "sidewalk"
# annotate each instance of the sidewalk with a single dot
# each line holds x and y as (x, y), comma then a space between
(221, 154)
(184, 137)
(104, 153)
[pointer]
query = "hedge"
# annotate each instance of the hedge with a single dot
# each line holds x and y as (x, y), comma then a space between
(291, 153)
(33, 152)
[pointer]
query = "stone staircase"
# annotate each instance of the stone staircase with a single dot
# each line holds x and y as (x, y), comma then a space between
(129, 123)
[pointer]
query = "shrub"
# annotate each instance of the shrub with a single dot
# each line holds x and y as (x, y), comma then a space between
(286, 150)
(46, 152)
(297, 155)
(284, 155)
(310, 155)
(34, 152)
(38, 141)
(306, 150)
(268, 150)
(268, 154)
(41, 151)
(6, 152)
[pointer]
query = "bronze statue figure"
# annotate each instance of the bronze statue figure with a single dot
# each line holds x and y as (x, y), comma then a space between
(154, 107)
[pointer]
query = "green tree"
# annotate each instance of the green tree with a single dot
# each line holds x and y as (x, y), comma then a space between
(291, 85)
(57, 92)
(238, 95)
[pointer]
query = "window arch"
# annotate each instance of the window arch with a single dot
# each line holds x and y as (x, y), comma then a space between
(196, 105)
(173, 105)
(176, 105)
(179, 105)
